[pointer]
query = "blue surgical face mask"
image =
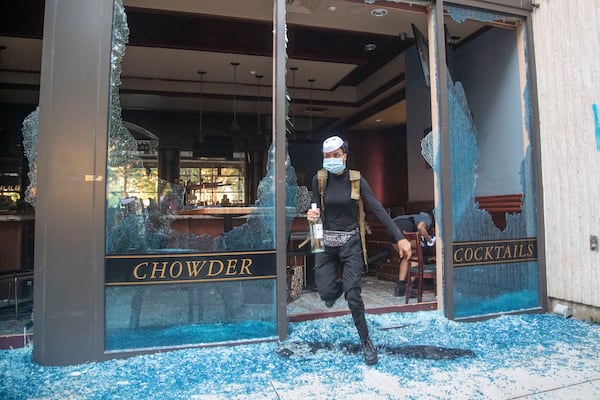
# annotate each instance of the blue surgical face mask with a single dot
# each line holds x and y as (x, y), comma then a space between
(334, 165)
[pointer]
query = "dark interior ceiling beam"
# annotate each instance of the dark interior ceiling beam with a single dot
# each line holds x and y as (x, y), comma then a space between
(380, 106)
(199, 32)
(156, 28)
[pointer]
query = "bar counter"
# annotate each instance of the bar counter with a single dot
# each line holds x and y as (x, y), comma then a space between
(211, 220)
(216, 220)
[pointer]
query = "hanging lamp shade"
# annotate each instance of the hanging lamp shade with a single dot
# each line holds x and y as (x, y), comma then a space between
(258, 128)
(292, 109)
(200, 135)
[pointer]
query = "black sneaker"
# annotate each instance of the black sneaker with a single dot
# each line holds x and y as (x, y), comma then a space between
(370, 352)
(400, 288)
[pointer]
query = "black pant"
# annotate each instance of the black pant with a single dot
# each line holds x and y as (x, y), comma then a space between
(405, 223)
(349, 257)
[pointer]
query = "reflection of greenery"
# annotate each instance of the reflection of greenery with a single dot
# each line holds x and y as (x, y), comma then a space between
(133, 182)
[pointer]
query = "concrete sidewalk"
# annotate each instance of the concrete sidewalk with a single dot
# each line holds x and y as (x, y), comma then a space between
(510, 357)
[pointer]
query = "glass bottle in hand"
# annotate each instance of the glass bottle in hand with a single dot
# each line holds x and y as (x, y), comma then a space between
(316, 233)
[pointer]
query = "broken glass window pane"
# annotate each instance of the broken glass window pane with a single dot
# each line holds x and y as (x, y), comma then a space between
(30, 144)
(485, 289)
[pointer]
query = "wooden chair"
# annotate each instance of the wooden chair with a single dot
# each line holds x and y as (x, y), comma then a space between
(418, 269)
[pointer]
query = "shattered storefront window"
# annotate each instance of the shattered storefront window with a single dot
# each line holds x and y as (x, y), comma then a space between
(166, 284)
(493, 196)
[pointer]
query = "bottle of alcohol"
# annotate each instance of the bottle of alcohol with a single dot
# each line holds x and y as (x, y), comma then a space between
(316, 233)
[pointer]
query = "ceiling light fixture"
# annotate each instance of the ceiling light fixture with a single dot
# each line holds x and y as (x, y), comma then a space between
(379, 12)
(258, 130)
(369, 1)
(292, 109)
(235, 127)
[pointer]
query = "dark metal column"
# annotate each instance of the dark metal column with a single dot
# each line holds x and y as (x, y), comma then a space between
(279, 61)
(168, 164)
(439, 48)
(73, 120)
(537, 161)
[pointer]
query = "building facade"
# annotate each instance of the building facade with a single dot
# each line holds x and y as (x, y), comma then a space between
(568, 123)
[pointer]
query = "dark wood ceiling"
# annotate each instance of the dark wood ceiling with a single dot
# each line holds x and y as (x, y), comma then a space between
(157, 28)
(334, 51)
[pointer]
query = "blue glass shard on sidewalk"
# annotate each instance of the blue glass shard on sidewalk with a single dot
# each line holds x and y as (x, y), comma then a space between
(530, 356)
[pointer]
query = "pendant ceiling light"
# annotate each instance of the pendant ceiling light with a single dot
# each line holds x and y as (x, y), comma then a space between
(292, 109)
(235, 127)
(258, 129)
(200, 136)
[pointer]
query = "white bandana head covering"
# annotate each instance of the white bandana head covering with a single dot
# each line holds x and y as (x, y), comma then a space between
(332, 143)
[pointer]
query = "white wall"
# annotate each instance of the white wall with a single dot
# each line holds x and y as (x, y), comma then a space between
(488, 69)
(567, 56)
(418, 112)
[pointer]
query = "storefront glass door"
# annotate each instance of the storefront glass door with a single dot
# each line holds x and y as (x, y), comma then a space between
(494, 234)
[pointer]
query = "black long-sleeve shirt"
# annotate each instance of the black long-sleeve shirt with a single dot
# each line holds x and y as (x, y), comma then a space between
(341, 212)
